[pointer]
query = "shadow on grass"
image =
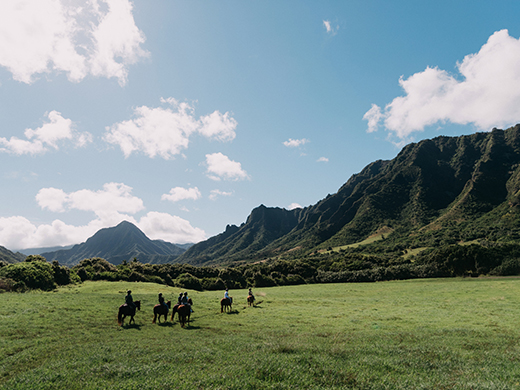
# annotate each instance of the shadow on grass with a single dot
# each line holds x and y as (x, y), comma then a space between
(131, 326)
(232, 312)
(166, 324)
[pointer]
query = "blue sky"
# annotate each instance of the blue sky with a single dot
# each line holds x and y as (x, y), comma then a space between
(183, 116)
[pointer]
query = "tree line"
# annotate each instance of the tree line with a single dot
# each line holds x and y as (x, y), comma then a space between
(325, 267)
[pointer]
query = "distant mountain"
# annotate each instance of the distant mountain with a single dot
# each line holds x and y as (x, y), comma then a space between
(122, 242)
(440, 190)
(37, 251)
(10, 257)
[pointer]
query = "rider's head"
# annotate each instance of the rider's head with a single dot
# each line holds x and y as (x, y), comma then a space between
(186, 293)
(129, 292)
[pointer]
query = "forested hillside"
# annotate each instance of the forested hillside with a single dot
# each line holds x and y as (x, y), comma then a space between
(435, 192)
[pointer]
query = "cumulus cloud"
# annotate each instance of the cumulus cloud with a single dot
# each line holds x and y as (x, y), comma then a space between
(486, 94)
(214, 194)
(171, 228)
(293, 206)
(98, 37)
(295, 143)
(47, 136)
(329, 28)
(111, 205)
(220, 167)
(322, 159)
(179, 193)
(165, 132)
(113, 199)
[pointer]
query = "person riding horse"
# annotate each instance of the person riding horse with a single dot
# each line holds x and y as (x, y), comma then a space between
(226, 295)
(186, 301)
(162, 302)
(129, 300)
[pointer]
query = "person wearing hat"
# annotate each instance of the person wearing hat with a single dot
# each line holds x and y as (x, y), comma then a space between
(186, 301)
(179, 300)
(226, 295)
(129, 300)
(161, 302)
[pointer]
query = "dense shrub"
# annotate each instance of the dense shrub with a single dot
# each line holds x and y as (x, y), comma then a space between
(34, 273)
(188, 281)
(213, 284)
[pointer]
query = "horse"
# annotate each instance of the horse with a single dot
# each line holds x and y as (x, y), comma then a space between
(125, 310)
(250, 300)
(174, 310)
(160, 310)
(225, 304)
(184, 312)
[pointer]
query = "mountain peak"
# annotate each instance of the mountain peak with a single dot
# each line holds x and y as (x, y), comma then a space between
(115, 244)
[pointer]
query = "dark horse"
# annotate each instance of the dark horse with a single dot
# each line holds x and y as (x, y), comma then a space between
(125, 310)
(184, 312)
(160, 310)
(174, 310)
(225, 304)
(250, 300)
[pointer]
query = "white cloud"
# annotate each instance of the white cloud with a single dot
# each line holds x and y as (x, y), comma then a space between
(171, 228)
(329, 28)
(179, 193)
(486, 95)
(214, 194)
(221, 167)
(373, 116)
(98, 37)
(18, 232)
(218, 126)
(39, 140)
(293, 206)
(111, 205)
(165, 132)
(295, 143)
(107, 203)
(322, 159)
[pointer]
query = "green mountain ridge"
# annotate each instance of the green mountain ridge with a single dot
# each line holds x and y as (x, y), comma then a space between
(116, 244)
(437, 191)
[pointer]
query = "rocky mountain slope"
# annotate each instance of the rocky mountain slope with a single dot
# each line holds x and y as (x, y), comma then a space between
(447, 188)
(122, 242)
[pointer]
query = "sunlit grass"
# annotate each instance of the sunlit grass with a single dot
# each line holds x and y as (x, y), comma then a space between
(448, 333)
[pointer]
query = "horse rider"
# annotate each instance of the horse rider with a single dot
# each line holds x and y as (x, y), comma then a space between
(129, 300)
(226, 295)
(161, 302)
(186, 301)
(250, 293)
(179, 300)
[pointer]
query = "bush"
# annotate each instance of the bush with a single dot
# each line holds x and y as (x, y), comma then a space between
(507, 268)
(188, 281)
(35, 274)
(213, 284)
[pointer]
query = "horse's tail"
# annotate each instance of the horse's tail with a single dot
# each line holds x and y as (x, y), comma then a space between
(154, 317)
(119, 317)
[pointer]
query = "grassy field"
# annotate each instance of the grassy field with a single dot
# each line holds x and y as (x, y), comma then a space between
(420, 334)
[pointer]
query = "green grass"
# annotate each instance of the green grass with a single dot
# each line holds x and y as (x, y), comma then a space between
(420, 334)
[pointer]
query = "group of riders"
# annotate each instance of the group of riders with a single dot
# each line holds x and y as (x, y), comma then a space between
(181, 300)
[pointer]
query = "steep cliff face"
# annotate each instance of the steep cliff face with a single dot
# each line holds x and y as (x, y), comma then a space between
(446, 180)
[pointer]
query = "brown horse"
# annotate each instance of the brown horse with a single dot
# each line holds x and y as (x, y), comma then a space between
(160, 310)
(250, 300)
(125, 310)
(184, 312)
(225, 304)
(174, 310)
